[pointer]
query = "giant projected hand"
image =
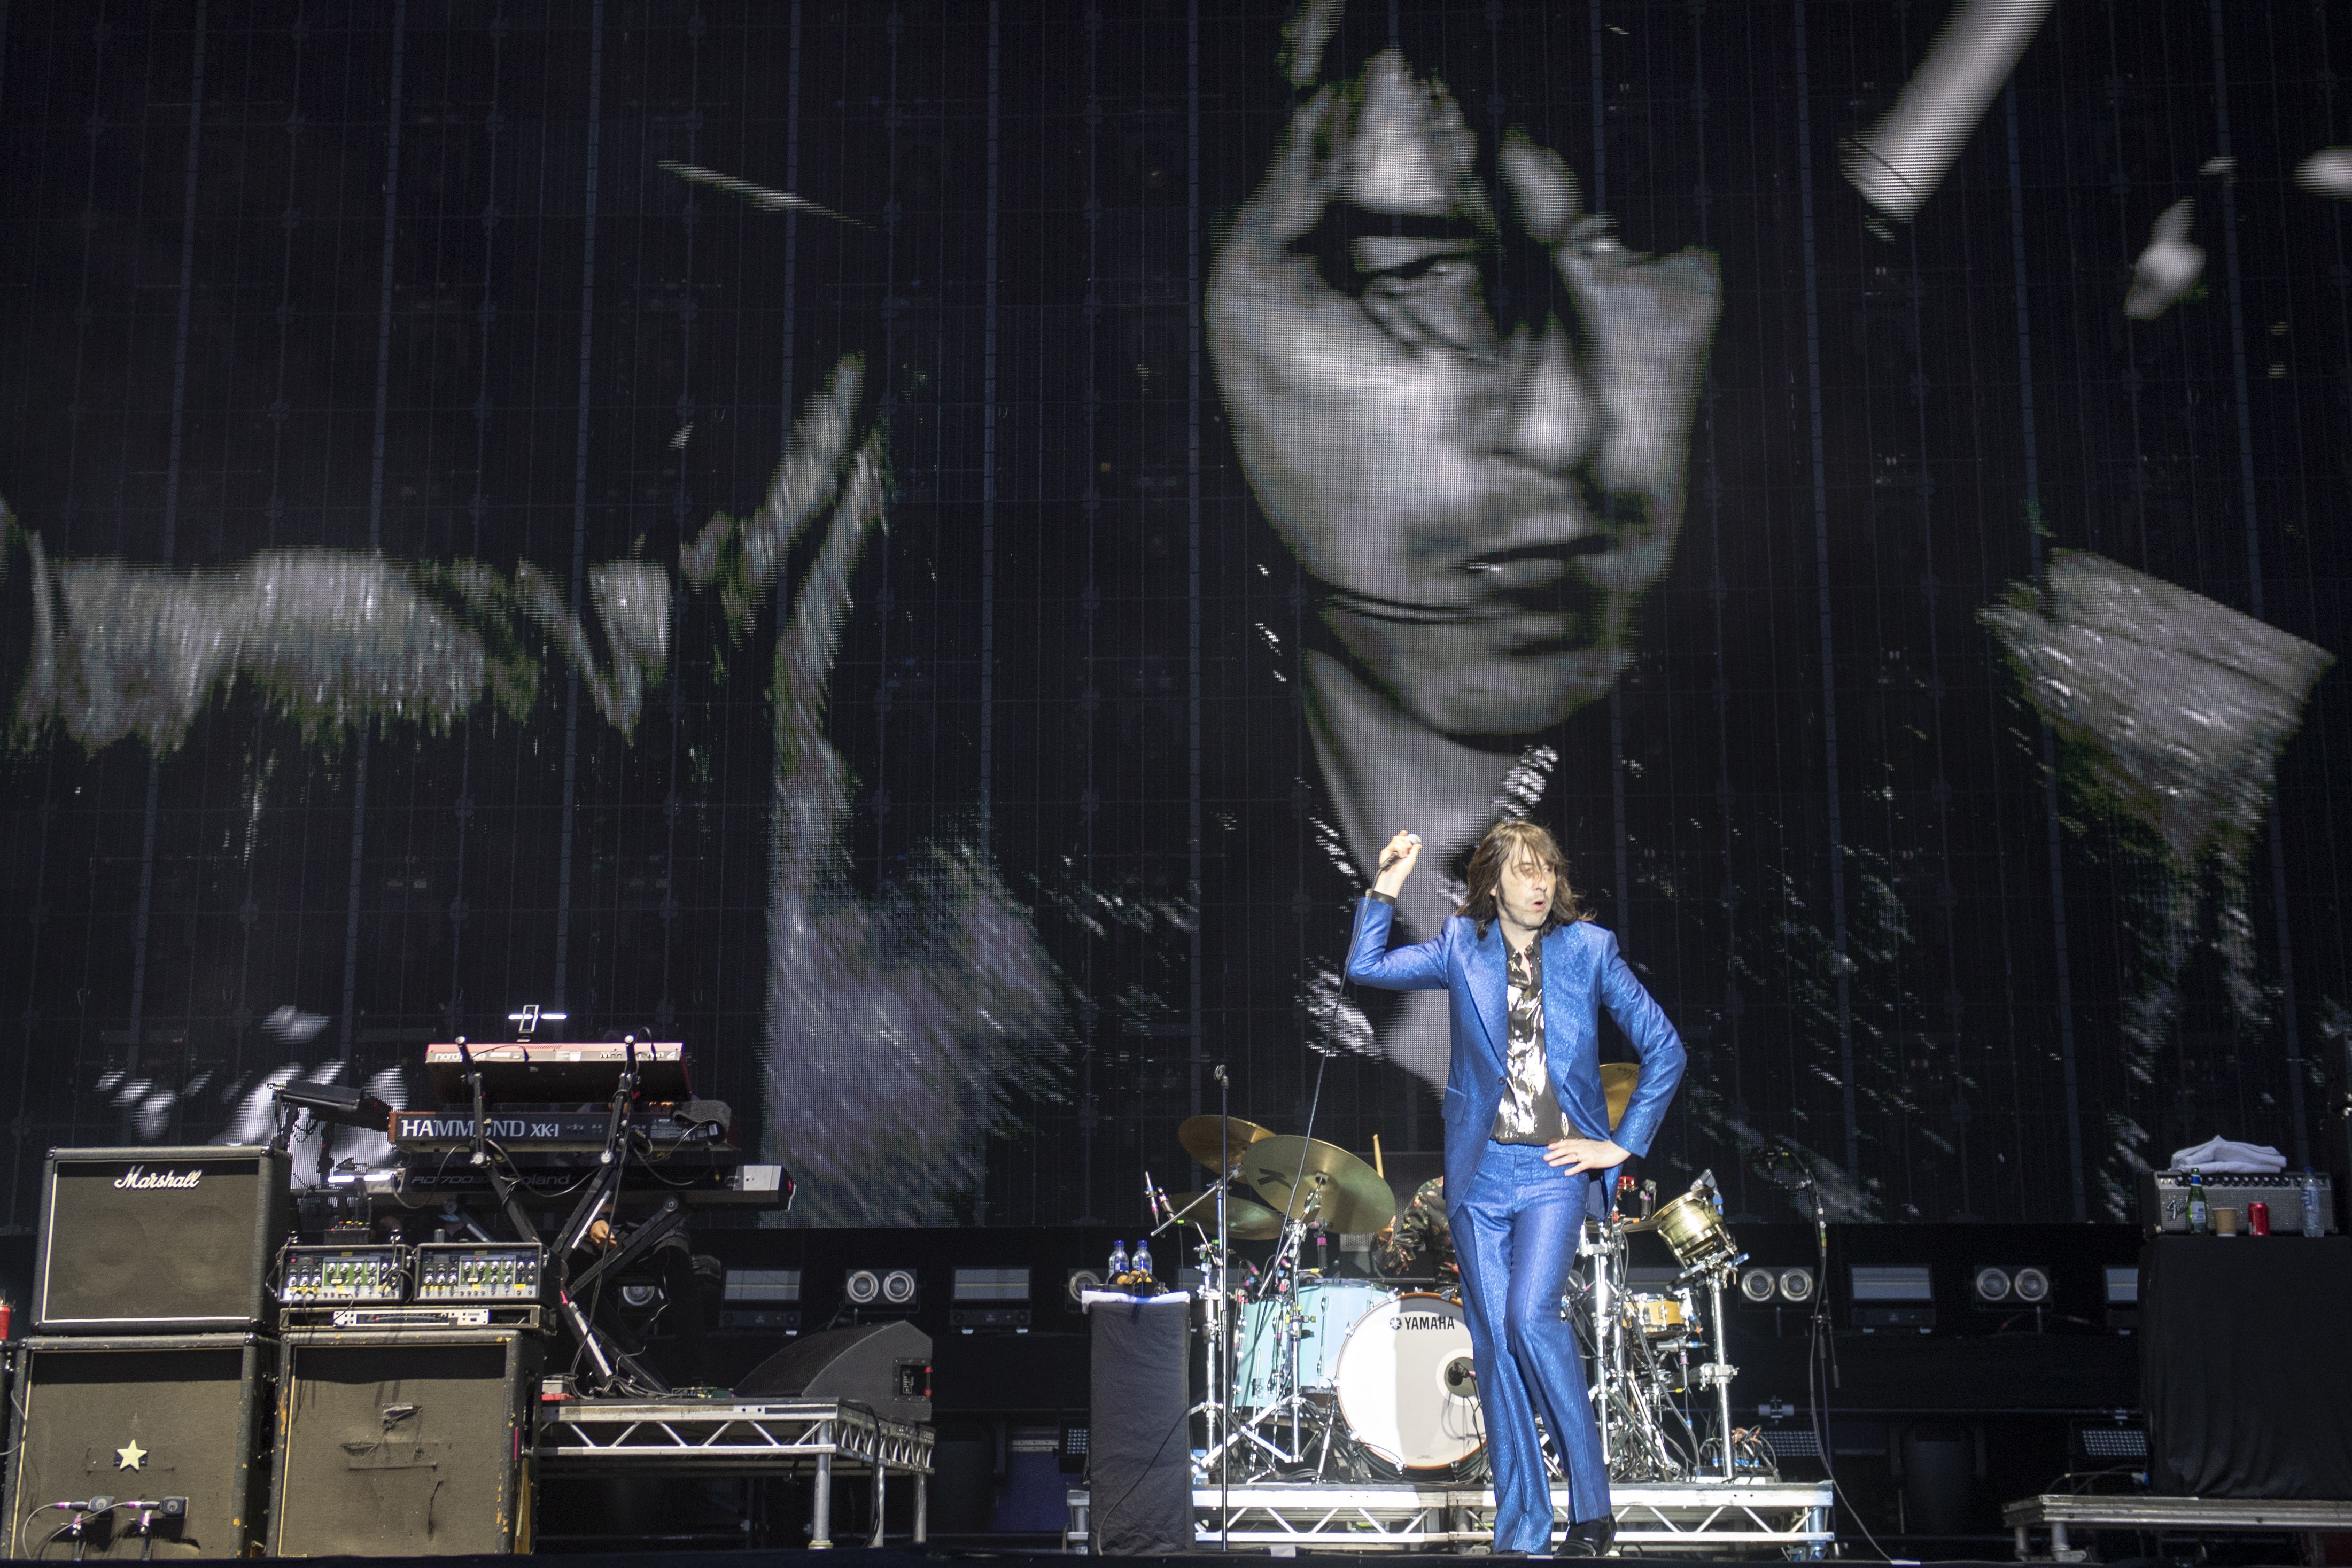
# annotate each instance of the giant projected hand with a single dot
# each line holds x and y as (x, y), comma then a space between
(334, 638)
(896, 1021)
(1466, 409)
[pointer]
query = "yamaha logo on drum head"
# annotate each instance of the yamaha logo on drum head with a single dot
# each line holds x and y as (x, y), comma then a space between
(1404, 1320)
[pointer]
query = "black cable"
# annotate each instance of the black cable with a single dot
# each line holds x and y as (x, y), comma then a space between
(1183, 1418)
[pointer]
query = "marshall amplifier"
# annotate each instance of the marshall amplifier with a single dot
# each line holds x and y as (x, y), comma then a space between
(158, 1240)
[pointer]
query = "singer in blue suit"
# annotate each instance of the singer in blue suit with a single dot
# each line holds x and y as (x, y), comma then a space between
(1525, 1126)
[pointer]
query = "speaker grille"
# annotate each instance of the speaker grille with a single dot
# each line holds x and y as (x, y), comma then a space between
(167, 1240)
(401, 1443)
(151, 1417)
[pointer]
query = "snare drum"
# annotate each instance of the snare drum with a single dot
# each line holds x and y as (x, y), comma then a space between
(1658, 1317)
(1408, 1387)
(1328, 1309)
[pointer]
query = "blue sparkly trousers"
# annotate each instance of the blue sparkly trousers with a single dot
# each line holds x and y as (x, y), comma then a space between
(1515, 1234)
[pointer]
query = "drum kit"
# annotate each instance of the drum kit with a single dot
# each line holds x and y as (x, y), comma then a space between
(1318, 1376)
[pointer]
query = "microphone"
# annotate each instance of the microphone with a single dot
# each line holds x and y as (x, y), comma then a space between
(1390, 857)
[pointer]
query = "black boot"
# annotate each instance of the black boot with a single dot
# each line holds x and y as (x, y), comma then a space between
(1589, 1537)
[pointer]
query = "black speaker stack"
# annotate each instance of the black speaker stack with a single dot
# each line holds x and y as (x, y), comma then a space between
(143, 1408)
(163, 1409)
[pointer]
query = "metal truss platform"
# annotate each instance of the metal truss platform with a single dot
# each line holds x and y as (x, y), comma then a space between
(1715, 1519)
(738, 1437)
(2058, 1512)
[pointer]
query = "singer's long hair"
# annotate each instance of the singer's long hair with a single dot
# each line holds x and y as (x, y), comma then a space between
(1506, 844)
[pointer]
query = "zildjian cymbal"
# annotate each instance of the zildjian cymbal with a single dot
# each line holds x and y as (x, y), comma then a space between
(1618, 1082)
(1344, 1193)
(1246, 1219)
(1202, 1139)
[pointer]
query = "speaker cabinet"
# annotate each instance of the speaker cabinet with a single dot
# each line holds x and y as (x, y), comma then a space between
(147, 1418)
(403, 1442)
(884, 1366)
(158, 1240)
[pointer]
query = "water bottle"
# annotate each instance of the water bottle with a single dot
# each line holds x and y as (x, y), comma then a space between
(1143, 1257)
(1117, 1258)
(2313, 1222)
(2201, 1218)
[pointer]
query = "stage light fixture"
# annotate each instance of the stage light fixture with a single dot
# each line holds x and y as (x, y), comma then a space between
(1076, 1285)
(1757, 1285)
(640, 1294)
(898, 1287)
(762, 1285)
(1796, 1286)
(2010, 1284)
(761, 1299)
(992, 1285)
(863, 1286)
(1893, 1297)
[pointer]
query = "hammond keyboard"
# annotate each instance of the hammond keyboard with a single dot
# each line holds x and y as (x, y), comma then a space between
(698, 1128)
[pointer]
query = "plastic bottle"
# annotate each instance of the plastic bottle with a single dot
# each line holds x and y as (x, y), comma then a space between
(1117, 1258)
(2313, 1223)
(1143, 1257)
(2201, 1218)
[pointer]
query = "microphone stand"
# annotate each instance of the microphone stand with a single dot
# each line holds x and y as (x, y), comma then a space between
(1222, 1395)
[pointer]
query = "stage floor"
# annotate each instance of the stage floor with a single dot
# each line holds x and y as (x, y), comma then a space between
(1686, 1519)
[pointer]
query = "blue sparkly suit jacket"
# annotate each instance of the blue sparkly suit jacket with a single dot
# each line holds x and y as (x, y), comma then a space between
(1582, 970)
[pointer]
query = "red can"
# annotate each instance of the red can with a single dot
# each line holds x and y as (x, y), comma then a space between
(2258, 1218)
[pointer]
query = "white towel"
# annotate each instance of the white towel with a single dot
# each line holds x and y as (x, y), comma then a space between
(2220, 1155)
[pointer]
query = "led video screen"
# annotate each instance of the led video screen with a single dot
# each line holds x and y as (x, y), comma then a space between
(922, 549)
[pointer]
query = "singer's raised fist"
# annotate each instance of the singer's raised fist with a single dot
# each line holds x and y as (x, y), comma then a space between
(1397, 862)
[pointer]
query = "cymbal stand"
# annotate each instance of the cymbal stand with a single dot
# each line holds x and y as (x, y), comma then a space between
(1216, 1310)
(1282, 1272)
(1606, 1247)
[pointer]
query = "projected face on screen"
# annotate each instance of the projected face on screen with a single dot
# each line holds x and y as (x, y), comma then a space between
(1483, 493)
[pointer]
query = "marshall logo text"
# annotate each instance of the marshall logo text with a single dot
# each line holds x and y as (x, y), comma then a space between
(139, 1179)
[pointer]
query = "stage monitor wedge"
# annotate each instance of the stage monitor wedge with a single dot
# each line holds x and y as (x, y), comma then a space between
(169, 1240)
(140, 1418)
(884, 1366)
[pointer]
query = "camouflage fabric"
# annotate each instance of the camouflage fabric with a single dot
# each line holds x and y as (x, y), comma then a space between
(1421, 1242)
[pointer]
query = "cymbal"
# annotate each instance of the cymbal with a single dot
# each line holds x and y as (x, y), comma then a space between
(1618, 1082)
(1246, 1219)
(1349, 1195)
(1202, 1139)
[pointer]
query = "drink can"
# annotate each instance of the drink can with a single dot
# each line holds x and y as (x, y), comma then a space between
(2258, 1218)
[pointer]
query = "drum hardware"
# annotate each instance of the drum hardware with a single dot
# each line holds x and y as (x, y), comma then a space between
(1248, 1220)
(1350, 1380)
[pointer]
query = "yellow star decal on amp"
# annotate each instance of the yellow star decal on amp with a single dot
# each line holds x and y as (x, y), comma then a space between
(131, 1456)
